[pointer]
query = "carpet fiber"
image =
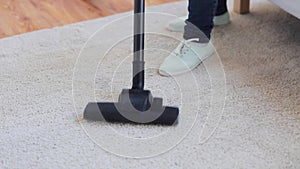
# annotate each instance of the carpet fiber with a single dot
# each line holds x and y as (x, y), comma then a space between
(46, 80)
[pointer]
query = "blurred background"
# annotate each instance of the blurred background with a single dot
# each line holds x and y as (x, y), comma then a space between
(21, 16)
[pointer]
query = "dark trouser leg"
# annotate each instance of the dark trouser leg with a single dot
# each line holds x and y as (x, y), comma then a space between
(222, 7)
(200, 21)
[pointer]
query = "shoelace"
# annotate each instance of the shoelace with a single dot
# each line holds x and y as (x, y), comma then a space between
(182, 49)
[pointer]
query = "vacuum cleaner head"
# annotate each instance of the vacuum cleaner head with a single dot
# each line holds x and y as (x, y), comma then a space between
(134, 106)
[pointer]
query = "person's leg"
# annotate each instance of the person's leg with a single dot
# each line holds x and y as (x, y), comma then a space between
(200, 19)
(222, 15)
(189, 54)
(221, 8)
(221, 18)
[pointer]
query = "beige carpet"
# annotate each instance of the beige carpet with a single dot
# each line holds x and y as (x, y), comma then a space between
(43, 96)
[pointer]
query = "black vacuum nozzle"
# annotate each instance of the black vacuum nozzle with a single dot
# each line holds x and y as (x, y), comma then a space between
(134, 106)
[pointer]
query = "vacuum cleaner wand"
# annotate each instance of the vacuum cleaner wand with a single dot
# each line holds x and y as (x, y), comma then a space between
(135, 105)
(138, 45)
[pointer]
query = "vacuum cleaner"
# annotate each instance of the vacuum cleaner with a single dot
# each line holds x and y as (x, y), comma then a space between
(135, 105)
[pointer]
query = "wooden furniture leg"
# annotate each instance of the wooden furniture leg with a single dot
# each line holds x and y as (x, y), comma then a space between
(241, 6)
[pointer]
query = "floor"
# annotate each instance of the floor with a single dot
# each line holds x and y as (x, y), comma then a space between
(21, 16)
(47, 78)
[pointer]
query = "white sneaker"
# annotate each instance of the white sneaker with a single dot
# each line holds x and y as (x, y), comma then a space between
(187, 56)
(221, 20)
(177, 25)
